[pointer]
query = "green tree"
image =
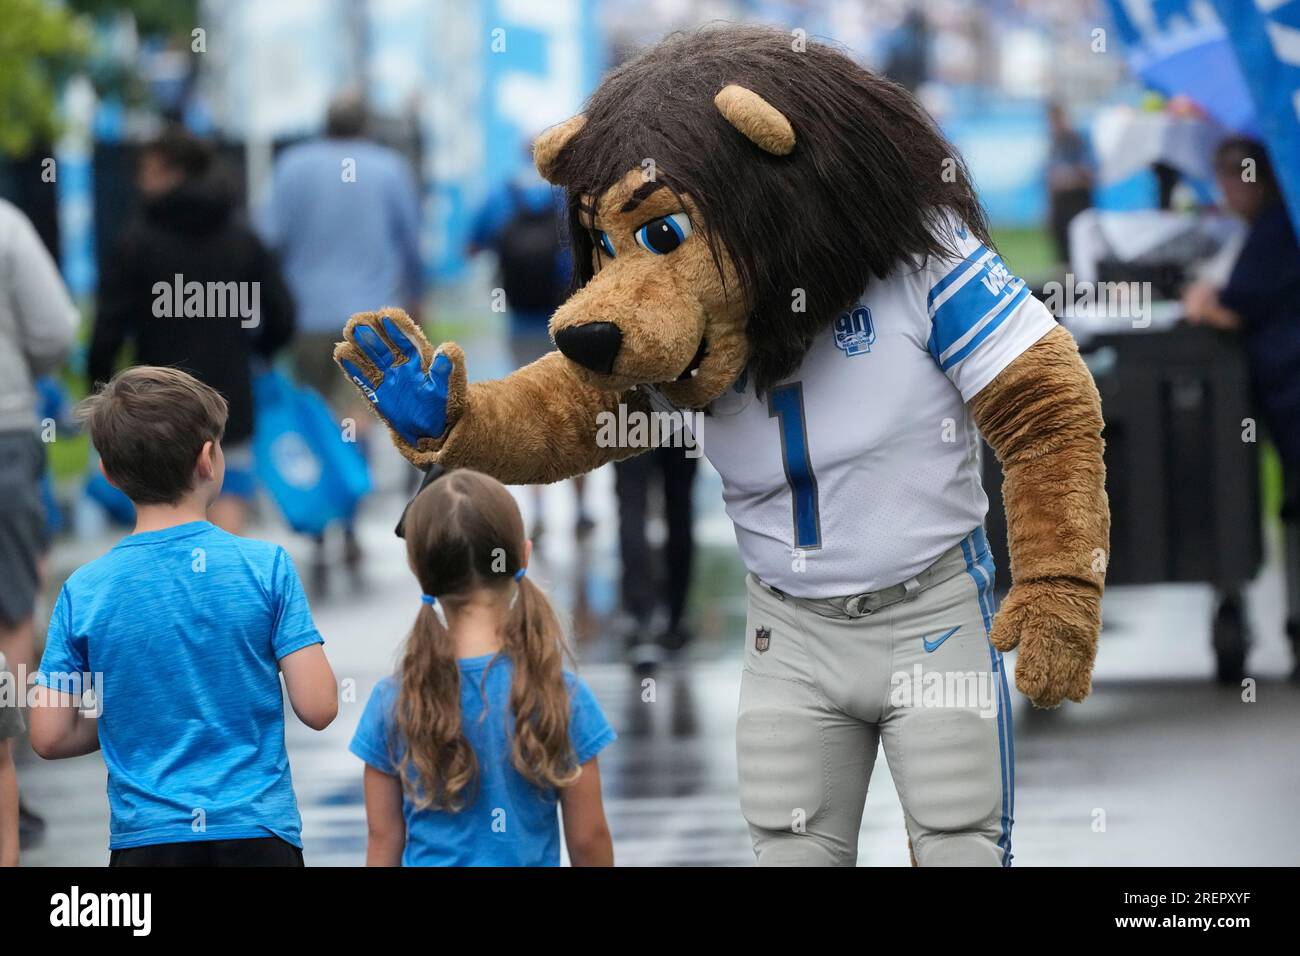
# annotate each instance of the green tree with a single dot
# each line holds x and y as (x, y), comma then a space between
(169, 17)
(39, 44)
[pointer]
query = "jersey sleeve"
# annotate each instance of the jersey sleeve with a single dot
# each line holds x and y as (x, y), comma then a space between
(294, 628)
(371, 741)
(589, 730)
(981, 316)
(65, 658)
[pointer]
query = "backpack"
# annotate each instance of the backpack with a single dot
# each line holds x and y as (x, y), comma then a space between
(527, 249)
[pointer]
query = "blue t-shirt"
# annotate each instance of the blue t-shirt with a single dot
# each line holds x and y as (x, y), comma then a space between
(184, 628)
(508, 821)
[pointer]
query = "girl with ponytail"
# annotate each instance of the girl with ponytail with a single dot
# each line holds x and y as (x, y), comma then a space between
(481, 733)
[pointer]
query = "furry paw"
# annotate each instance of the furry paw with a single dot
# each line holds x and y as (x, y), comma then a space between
(417, 393)
(1055, 623)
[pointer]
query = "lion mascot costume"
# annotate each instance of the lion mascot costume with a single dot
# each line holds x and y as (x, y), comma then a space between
(768, 233)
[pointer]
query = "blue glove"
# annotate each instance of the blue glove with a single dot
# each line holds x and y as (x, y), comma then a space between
(412, 401)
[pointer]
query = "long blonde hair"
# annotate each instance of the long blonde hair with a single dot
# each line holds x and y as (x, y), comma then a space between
(464, 533)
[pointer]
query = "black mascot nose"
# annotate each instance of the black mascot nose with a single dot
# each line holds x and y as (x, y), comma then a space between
(594, 345)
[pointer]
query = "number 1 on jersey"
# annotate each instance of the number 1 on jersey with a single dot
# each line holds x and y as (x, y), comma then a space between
(785, 404)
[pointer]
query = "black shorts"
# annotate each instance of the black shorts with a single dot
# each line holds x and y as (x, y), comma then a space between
(255, 851)
(23, 534)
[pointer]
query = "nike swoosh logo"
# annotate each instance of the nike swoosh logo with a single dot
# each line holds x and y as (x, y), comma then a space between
(932, 646)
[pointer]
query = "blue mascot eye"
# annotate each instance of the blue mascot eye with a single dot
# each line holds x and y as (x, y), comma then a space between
(663, 235)
(607, 247)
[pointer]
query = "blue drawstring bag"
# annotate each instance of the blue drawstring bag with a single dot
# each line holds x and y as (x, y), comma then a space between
(314, 475)
(112, 500)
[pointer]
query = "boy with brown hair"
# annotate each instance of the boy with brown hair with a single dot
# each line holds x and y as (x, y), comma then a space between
(182, 631)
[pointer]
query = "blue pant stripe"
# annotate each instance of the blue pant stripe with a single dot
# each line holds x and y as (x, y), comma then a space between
(1006, 692)
(979, 565)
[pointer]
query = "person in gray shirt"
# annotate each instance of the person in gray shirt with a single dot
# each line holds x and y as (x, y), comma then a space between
(11, 726)
(37, 325)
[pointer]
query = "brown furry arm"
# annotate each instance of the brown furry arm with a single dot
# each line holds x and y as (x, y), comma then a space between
(537, 425)
(1042, 417)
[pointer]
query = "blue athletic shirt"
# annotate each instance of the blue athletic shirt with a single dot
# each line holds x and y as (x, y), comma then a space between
(508, 821)
(184, 628)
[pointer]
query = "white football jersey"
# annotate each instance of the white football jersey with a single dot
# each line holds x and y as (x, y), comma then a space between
(861, 469)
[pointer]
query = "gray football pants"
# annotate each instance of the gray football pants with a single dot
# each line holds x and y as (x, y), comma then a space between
(823, 688)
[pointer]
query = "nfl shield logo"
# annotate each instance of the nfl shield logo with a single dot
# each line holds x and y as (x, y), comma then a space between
(762, 638)
(855, 332)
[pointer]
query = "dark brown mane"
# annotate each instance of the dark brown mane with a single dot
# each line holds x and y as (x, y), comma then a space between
(864, 190)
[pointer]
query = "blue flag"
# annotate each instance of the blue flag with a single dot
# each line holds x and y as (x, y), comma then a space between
(1180, 48)
(1266, 37)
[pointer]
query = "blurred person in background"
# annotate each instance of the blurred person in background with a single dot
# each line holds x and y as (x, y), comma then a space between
(908, 62)
(38, 323)
(189, 227)
(1069, 178)
(344, 215)
(1261, 300)
(646, 586)
(520, 222)
(12, 726)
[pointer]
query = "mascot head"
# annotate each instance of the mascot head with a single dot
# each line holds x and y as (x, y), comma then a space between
(730, 191)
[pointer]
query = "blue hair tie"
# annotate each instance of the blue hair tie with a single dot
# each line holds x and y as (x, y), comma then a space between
(438, 612)
(514, 598)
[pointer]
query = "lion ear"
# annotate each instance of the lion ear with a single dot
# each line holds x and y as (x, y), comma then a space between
(547, 147)
(757, 120)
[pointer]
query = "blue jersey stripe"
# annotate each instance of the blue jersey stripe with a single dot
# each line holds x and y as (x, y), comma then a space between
(1007, 306)
(965, 307)
(957, 314)
(957, 272)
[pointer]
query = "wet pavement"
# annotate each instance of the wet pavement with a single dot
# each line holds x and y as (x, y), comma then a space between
(1174, 768)
(1158, 767)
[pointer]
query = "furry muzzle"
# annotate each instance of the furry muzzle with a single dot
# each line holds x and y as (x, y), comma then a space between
(623, 330)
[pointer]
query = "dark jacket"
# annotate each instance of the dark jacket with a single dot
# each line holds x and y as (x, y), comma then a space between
(193, 232)
(1264, 289)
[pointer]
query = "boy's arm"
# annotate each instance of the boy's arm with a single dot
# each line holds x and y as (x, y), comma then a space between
(59, 726)
(313, 691)
(8, 805)
(586, 833)
(384, 821)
